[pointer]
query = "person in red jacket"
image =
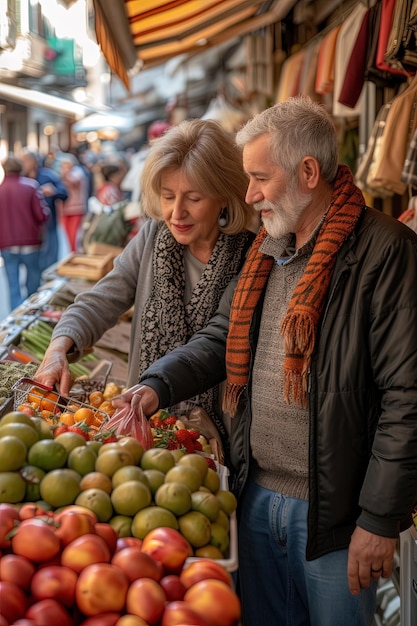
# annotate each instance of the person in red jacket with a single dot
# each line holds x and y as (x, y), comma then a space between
(23, 214)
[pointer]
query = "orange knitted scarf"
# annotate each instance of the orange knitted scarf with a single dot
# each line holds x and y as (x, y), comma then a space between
(299, 326)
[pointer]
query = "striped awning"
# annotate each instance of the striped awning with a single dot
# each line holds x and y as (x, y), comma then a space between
(136, 34)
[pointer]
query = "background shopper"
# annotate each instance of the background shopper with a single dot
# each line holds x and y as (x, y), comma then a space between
(53, 189)
(23, 216)
(75, 206)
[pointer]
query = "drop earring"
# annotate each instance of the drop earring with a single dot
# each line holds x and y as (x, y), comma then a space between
(222, 221)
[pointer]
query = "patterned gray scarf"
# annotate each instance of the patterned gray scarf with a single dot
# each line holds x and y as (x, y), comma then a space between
(166, 321)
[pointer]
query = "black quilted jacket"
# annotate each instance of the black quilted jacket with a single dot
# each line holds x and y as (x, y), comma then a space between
(362, 393)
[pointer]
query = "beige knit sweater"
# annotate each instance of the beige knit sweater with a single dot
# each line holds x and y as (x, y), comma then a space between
(279, 432)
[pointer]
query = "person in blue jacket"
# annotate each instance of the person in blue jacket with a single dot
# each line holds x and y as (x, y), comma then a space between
(53, 189)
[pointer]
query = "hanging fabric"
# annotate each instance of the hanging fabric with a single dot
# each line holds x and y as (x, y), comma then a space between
(325, 65)
(399, 129)
(344, 44)
(308, 74)
(291, 70)
(409, 172)
(386, 27)
(367, 163)
(401, 50)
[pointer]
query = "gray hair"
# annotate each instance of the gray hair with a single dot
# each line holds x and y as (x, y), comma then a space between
(209, 158)
(12, 165)
(298, 127)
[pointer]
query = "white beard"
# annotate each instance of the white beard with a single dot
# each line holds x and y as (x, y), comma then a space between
(286, 212)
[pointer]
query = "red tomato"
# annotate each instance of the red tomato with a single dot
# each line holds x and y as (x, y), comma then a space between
(9, 517)
(72, 525)
(128, 542)
(16, 569)
(36, 540)
(13, 601)
(48, 612)
(29, 510)
(103, 619)
(101, 588)
(108, 533)
(56, 582)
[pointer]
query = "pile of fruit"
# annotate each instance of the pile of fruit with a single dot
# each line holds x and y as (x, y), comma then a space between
(133, 489)
(170, 432)
(68, 569)
(87, 418)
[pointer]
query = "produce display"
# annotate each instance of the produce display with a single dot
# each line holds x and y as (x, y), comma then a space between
(133, 489)
(69, 569)
(36, 400)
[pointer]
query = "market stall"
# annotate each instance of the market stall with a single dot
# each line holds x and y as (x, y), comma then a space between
(147, 516)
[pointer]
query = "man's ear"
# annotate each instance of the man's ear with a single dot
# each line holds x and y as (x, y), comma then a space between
(309, 173)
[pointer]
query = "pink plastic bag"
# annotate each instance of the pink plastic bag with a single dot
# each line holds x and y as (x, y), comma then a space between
(125, 422)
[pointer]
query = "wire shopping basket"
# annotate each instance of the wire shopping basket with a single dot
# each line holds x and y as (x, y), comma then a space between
(51, 405)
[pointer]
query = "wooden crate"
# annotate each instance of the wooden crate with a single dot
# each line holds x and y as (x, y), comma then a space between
(88, 266)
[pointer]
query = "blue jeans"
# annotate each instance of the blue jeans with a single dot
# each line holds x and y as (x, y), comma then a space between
(12, 263)
(278, 586)
(49, 250)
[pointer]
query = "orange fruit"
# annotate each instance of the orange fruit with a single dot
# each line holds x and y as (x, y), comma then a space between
(22, 408)
(97, 421)
(47, 415)
(107, 407)
(67, 418)
(84, 415)
(96, 398)
(49, 401)
(35, 395)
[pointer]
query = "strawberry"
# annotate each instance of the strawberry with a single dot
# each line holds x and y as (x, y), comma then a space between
(110, 439)
(170, 420)
(197, 446)
(183, 435)
(194, 434)
(81, 429)
(185, 440)
(109, 436)
(211, 463)
(58, 430)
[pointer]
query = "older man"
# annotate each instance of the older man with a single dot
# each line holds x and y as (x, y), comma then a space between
(319, 345)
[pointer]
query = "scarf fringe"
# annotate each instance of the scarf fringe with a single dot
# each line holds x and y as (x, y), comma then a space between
(296, 387)
(299, 331)
(231, 398)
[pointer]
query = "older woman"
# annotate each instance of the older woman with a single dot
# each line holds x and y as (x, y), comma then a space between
(176, 268)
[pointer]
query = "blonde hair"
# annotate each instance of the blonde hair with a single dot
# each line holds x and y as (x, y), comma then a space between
(209, 158)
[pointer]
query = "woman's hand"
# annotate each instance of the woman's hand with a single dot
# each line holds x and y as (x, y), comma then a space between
(138, 395)
(54, 367)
